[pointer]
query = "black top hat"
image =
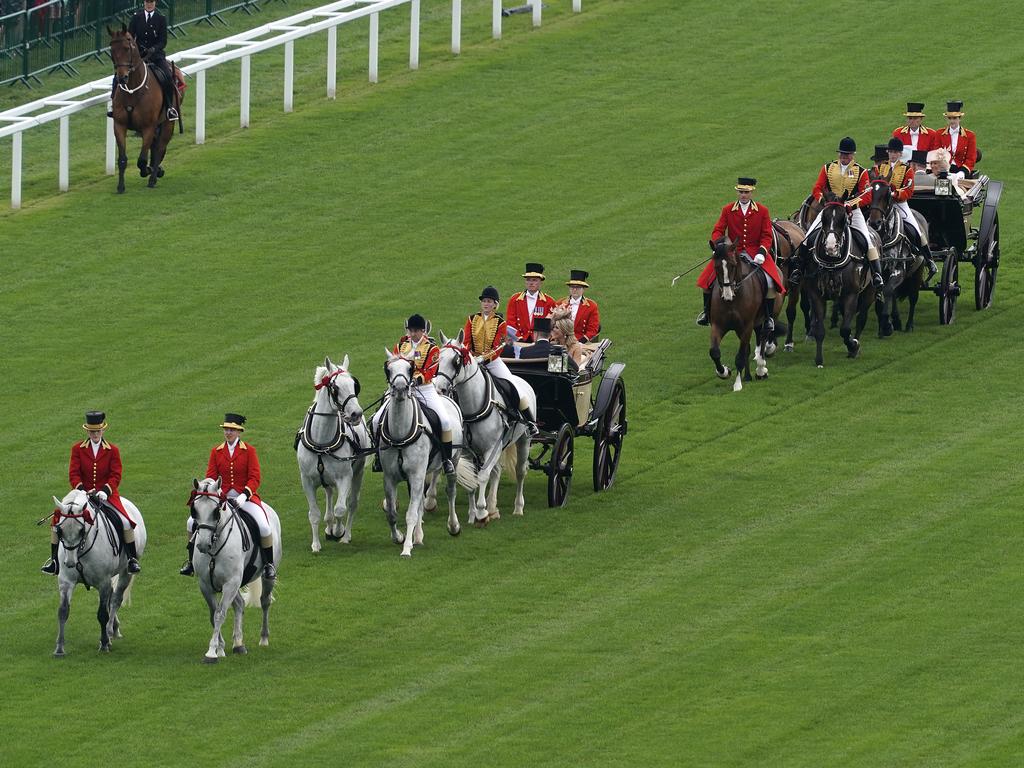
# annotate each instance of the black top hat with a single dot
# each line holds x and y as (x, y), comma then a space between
(954, 109)
(234, 421)
(914, 109)
(745, 184)
(578, 277)
(882, 152)
(416, 323)
(846, 144)
(542, 325)
(534, 270)
(490, 292)
(895, 144)
(919, 156)
(95, 420)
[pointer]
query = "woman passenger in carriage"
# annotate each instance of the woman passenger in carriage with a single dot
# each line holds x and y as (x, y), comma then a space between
(563, 333)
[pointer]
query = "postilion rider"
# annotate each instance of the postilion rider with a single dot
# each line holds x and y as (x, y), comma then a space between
(426, 356)
(749, 226)
(96, 469)
(847, 180)
(238, 466)
(485, 333)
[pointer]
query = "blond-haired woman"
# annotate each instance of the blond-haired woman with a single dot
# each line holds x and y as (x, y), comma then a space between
(562, 333)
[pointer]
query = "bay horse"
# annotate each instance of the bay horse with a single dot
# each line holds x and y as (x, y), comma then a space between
(838, 270)
(138, 105)
(737, 304)
(902, 268)
(90, 552)
(331, 449)
(226, 558)
(787, 237)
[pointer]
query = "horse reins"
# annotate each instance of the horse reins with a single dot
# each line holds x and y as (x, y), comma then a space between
(131, 68)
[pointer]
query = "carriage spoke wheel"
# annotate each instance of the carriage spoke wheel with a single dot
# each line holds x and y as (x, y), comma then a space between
(560, 469)
(949, 289)
(608, 441)
(987, 266)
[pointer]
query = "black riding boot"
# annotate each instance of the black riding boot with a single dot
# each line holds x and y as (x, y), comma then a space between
(876, 273)
(446, 458)
(704, 318)
(376, 463)
(50, 566)
(795, 273)
(187, 569)
(769, 314)
(929, 262)
(133, 557)
(269, 571)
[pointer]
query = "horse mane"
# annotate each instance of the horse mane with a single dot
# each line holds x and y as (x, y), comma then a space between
(321, 371)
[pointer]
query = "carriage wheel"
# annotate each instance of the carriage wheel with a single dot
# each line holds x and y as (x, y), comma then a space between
(560, 468)
(608, 440)
(987, 266)
(949, 288)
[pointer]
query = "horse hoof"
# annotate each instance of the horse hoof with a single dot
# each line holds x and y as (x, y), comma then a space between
(725, 374)
(264, 642)
(143, 172)
(407, 554)
(854, 349)
(210, 659)
(788, 348)
(105, 648)
(241, 650)
(58, 654)
(454, 531)
(331, 537)
(480, 523)
(517, 513)
(159, 173)
(120, 190)
(761, 377)
(820, 365)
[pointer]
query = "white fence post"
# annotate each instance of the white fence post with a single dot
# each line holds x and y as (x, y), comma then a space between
(332, 62)
(577, 6)
(244, 92)
(62, 154)
(374, 35)
(456, 27)
(201, 106)
(111, 146)
(16, 170)
(496, 19)
(414, 34)
(537, 5)
(289, 74)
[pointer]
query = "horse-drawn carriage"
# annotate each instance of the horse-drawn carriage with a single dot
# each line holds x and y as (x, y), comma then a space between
(958, 233)
(589, 402)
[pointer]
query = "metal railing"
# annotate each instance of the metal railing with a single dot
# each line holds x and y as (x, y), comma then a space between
(241, 47)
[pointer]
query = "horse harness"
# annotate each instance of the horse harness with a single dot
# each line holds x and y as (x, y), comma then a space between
(81, 548)
(490, 401)
(217, 531)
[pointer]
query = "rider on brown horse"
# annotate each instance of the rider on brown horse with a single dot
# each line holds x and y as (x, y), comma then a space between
(749, 225)
(149, 29)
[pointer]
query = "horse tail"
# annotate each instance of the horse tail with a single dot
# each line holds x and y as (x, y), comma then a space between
(466, 475)
(127, 599)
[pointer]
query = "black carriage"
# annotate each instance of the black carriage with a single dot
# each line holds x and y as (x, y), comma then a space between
(590, 402)
(963, 226)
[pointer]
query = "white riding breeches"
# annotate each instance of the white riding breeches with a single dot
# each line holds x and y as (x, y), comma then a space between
(428, 396)
(910, 218)
(856, 221)
(254, 510)
(499, 370)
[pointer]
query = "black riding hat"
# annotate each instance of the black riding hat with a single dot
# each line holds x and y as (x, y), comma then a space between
(882, 152)
(846, 144)
(533, 269)
(914, 109)
(490, 292)
(919, 157)
(416, 323)
(95, 420)
(234, 421)
(895, 144)
(542, 325)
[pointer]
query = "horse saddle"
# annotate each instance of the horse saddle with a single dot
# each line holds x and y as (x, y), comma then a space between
(109, 511)
(250, 532)
(508, 393)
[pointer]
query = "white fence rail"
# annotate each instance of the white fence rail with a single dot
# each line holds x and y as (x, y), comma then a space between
(196, 61)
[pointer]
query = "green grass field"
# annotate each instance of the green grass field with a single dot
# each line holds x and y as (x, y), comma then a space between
(822, 570)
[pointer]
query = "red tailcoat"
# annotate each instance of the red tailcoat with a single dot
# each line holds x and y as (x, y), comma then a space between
(240, 472)
(925, 139)
(101, 472)
(588, 319)
(517, 314)
(752, 233)
(966, 154)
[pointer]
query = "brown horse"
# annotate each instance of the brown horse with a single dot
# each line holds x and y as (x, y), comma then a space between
(737, 304)
(787, 237)
(138, 106)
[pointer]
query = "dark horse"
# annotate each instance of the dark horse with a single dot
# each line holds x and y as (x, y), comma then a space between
(838, 270)
(138, 106)
(787, 237)
(902, 268)
(737, 305)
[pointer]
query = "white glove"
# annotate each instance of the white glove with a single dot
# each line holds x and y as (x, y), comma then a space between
(101, 495)
(759, 259)
(240, 499)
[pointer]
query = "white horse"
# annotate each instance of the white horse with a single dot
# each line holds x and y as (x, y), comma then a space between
(486, 425)
(226, 556)
(331, 452)
(91, 553)
(407, 453)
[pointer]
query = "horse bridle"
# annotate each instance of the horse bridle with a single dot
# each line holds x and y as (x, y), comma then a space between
(215, 530)
(131, 65)
(335, 392)
(460, 363)
(874, 206)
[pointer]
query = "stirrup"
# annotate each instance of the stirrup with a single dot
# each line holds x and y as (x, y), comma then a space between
(932, 269)
(187, 569)
(133, 565)
(702, 319)
(448, 467)
(531, 428)
(50, 567)
(269, 571)
(172, 114)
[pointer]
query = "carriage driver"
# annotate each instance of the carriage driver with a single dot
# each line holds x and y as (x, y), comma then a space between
(96, 468)
(425, 358)
(901, 177)
(524, 307)
(238, 467)
(749, 225)
(913, 135)
(485, 333)
(149, 28)
(844, 178)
